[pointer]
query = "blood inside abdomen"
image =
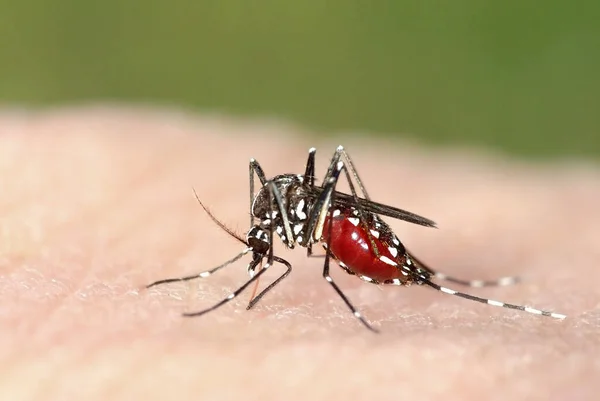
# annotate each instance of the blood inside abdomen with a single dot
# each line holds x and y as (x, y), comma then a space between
(350, 244)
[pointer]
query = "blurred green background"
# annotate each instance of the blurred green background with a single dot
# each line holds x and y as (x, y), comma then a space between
(520, 76)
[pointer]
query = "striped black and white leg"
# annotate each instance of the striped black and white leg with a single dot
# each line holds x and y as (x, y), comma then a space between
(276, 204)
(337, 289)
(423, 280)
(329, 199)
(499, 282)
(203, 274)
(258, 297)
(213, 270)
(233, 294)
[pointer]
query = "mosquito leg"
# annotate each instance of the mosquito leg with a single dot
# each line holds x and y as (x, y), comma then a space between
(233, 294)
(317, 217)
(354, 311)
(359, 209)
(337, 289)
(270, 257)
(208, 272)
(309, 173)
(334, 160)
(326, 199)
(309, 251)
(340, 152)
(334, 171)
(312, 219)
(316, 220)
(315, 228)
(275, 195)
(354, 171)
(203, 274)
(254, 168)
(276, 205)
(288, 270)
(499, 282)
(423, 280)
(366, 204)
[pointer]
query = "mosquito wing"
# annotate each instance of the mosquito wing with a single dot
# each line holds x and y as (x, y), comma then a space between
(343, 199)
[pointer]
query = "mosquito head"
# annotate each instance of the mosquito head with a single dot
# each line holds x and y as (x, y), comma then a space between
(258, 239)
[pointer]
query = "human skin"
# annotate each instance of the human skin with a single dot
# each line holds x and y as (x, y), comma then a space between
(95, 203)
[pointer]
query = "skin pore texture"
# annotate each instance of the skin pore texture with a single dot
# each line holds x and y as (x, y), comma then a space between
(95, 203)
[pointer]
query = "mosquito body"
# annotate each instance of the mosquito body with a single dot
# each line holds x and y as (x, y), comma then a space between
(348, 226)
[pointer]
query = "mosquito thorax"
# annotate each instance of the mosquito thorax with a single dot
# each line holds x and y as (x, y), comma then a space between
(261, 207)
(296, 205)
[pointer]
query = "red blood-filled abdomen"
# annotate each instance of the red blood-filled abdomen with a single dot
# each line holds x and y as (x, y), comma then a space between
(350, 244)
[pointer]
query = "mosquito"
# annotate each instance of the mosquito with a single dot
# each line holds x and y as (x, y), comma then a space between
(347, 226)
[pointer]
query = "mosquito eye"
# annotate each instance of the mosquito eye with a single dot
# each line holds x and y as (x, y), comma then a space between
(258, 245)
